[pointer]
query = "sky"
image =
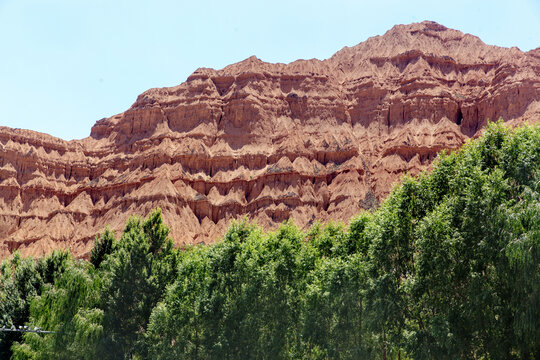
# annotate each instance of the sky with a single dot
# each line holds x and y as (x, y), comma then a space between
(64, 64)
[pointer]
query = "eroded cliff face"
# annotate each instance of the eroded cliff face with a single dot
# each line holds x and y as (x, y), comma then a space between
(310, 140)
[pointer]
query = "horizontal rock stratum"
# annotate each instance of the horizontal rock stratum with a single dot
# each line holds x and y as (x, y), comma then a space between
(310, 140)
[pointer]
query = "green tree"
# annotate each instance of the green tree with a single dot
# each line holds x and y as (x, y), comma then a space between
(448, 267)
(469, 264)
(333, 311)
(104, 245)
(69, 309)
(236, 300)
(20, 281)
(135, 277)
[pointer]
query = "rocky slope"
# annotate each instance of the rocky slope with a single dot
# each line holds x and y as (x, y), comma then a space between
(310, 140)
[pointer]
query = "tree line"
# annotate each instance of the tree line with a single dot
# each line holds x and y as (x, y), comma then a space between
(448, 267)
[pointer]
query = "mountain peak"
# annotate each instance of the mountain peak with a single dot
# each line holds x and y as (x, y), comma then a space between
(426, 38)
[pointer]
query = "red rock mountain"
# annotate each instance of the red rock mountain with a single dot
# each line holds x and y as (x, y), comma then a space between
(310, 140)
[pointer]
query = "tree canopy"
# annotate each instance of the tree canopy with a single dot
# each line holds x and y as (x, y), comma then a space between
(447, 267)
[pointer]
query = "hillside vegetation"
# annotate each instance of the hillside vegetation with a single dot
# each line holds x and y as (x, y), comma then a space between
(448, 267)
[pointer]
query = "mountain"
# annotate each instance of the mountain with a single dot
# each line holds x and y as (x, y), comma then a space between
(309, 140)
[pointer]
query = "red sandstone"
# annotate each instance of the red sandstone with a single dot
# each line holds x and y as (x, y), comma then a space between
(310, 140)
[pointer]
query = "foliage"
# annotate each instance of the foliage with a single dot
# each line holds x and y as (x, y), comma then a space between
(447, 267)
(135, 277)
(103, 246)
(98, 308)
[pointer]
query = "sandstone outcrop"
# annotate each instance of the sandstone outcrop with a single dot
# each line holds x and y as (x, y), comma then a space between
(310, 140)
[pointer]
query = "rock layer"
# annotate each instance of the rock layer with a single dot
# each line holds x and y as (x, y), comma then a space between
(310, 140)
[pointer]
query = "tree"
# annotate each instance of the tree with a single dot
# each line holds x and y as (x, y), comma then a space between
(135, 277)
(20, 282)
(69, 308)
(104, 245)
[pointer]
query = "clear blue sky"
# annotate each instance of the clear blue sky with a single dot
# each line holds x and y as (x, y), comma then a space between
(66, 63)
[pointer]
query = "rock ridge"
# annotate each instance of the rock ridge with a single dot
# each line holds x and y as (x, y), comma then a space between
(309, 140)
